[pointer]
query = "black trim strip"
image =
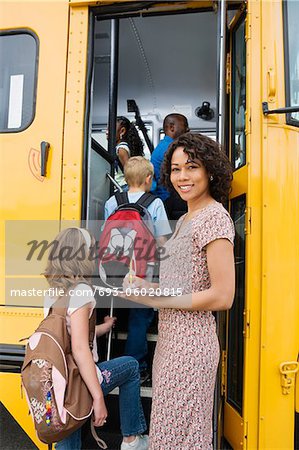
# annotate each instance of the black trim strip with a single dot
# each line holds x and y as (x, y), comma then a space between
(11, 357)
(125, 8)
(128, 10)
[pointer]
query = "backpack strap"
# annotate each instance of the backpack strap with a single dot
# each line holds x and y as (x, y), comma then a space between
(146, 199)
(99, 441)
(61, 306)
(122, 198)
(92, 327)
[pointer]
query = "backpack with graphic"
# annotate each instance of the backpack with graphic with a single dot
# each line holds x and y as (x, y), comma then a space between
(58, 398)
(127, 242)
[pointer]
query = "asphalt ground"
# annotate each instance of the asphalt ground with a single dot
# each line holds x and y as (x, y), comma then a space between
(12, 436)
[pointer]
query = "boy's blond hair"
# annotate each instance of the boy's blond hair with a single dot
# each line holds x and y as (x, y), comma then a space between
(137, 169)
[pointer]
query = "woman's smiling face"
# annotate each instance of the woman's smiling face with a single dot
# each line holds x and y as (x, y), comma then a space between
(188, 177)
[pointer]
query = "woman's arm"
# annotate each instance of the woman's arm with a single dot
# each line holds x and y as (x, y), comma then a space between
(219, 296)
(123, 156)
(83, 357)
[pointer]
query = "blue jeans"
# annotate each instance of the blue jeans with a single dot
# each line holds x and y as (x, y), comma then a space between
(120, 372)
(136, 345)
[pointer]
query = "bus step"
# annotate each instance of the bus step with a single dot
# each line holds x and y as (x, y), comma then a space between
(145, 391)
(123, 337)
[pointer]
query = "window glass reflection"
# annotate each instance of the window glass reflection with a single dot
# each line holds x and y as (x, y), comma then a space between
(239, 97)
(18, 54)
(235, 334)
(292, 57)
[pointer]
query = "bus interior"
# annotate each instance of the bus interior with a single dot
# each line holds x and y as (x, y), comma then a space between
(166, 63)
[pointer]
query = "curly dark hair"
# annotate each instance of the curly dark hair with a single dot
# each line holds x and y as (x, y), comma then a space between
(131, 137)
(210, 154)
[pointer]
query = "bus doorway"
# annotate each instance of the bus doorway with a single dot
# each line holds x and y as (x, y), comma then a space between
(164, 69)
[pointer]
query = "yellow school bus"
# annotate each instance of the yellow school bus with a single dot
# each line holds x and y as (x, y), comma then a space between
(67, 69)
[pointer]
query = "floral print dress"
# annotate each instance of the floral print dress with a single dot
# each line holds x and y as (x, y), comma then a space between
(187, 351)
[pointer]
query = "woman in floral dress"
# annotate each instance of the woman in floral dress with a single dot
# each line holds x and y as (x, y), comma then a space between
(196, 278)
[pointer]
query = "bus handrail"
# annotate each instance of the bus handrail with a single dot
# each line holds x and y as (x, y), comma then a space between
(286, 110)
(100, 150)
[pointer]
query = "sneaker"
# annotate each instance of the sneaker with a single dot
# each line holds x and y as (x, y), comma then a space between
(140, 443)
(144, 376)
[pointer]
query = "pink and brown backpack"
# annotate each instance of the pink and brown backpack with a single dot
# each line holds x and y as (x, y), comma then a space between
(58, 398)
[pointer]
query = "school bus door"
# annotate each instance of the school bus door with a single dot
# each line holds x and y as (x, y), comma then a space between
(235, 356)
(262, 346)
(34, 37)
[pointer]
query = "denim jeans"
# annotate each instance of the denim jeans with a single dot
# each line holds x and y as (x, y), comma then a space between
(136, 345)
(120, 372)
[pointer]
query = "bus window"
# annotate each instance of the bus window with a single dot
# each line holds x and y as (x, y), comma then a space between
(291, 14)
(238, 144)
(18, 52)
(235, 336)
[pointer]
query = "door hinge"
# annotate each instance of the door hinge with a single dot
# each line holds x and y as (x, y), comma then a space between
(246, 323)
(228, 73)
(288, 371)
(248, 220)
(223, 372)
(247, 27)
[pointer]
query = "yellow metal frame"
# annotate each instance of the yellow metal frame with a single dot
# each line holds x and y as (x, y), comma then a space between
(74, 114)
(242, 432)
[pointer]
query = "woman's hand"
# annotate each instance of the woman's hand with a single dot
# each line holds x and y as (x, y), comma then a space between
(99, 412)
(133, 282)
(135, 287)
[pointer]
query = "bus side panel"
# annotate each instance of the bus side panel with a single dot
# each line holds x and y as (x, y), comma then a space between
(25, 193)
(280, 285)
(28, 195)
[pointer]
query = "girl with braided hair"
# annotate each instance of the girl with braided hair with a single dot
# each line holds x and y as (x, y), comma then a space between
(128, 144)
